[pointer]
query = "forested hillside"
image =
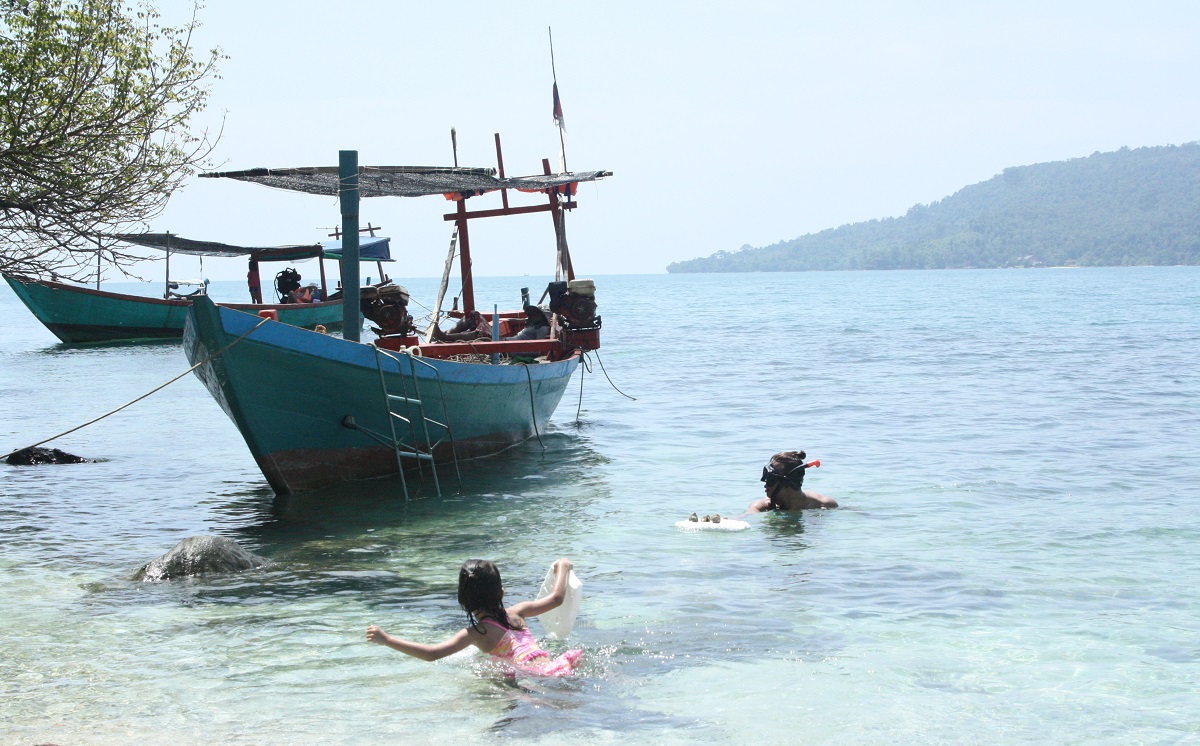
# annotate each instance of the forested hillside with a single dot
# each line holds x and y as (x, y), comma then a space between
(1129, 207)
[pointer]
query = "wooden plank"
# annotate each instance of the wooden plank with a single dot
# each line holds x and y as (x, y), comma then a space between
(504, 211)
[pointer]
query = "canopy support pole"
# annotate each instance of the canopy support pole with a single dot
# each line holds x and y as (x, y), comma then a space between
(348, 193)
(464, 256)
(167, 270)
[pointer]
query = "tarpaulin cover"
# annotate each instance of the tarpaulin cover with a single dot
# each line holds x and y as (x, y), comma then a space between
(180, 245)
(370, 249)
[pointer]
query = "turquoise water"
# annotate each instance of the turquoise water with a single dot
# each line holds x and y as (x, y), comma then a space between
(1016, 556)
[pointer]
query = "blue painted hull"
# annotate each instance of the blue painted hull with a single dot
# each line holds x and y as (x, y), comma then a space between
(290, 392)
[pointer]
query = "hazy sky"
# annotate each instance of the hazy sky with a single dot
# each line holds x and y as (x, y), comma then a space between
(724, 123)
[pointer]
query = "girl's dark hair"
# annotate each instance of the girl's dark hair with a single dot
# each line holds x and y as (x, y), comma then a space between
(480, 589)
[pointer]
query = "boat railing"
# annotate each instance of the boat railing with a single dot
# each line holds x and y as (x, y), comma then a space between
(414, 408)
(174, 285)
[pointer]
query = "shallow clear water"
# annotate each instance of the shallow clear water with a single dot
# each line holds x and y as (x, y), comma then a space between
(1016, 556)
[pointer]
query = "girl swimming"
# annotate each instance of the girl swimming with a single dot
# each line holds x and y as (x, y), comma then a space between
(491, 627)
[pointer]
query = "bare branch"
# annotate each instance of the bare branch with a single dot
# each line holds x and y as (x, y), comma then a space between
(95, 108)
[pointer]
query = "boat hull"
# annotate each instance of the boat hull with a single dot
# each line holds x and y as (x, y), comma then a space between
(292, 394)
(78, 315)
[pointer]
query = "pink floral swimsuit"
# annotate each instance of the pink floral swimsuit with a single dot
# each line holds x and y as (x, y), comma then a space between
(521, 651)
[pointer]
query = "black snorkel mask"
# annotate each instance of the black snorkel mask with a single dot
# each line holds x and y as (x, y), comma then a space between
(776, 479)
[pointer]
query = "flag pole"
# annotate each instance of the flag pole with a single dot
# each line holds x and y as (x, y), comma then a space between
(558, 117)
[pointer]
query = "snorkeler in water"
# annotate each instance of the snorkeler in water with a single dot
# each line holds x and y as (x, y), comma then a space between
(783, 478)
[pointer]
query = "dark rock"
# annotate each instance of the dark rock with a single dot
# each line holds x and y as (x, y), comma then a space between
(200, 555)
(38, 456)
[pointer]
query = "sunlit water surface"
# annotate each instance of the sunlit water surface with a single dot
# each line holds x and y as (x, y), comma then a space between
(1016, 558)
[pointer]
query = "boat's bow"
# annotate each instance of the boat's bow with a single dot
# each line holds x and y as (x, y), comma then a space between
(315, 409)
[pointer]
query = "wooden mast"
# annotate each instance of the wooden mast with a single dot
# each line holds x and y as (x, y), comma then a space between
(462, 215)
(560, 226)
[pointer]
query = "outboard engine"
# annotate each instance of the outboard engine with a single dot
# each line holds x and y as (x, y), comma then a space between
(575, 304)
(285, 282)
(387, 306)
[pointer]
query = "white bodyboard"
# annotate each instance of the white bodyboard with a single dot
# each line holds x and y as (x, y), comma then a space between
(726, 524)
(558, 622)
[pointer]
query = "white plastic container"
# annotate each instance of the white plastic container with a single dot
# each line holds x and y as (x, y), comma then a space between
(558, 622)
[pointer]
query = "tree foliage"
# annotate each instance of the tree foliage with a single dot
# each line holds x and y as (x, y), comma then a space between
(95, 105)
(1110, 209)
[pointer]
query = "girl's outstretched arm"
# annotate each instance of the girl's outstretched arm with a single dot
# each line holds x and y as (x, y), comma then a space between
(562, 569)
(418, 650)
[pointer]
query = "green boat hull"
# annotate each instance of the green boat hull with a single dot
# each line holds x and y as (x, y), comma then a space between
(78, 315)
(312, 407)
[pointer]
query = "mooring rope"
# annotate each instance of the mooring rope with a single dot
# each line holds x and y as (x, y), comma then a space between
(587, 368)
(138, 399)
(532, 409)
(610, 383)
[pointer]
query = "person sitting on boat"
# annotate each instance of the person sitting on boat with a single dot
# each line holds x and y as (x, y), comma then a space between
(537, 324)
(783, 478)
(174, 286)
(472, 326)
(307, 294)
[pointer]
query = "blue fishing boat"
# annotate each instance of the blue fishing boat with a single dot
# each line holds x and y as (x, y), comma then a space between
(316, 410)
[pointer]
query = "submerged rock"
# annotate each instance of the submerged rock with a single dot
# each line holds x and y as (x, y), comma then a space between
(200, 555)
(38, 456)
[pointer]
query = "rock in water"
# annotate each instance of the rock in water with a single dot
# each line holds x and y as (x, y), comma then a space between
(38, 456)
(200, 555)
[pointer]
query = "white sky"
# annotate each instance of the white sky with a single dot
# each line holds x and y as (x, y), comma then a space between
(724, 123)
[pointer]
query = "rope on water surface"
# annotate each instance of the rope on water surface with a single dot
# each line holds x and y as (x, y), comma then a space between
(586, 362)
(138, 399)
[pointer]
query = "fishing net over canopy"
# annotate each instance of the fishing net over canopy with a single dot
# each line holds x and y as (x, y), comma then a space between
(405, 181)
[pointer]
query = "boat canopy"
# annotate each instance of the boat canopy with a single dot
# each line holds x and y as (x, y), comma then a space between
(406, 181)
(371, 249)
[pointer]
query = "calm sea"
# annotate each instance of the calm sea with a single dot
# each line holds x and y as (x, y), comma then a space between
(1016, 558)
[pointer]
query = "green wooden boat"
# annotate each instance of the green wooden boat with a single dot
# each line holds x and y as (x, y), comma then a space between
(81, 315)
(78, 315)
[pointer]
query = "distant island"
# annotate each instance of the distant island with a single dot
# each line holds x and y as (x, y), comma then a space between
(1130, 207)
